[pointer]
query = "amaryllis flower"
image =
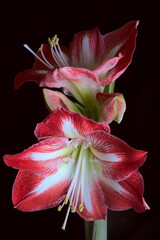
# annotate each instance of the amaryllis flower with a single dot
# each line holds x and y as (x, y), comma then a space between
(77, 161)
(87, 94)
(106, 55)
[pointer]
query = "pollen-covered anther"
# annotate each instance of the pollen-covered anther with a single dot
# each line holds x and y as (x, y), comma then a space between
(72, 209)
(80, 207)
(66, 201)
(41, 47)
(50, 42)
(55, 39)
(59, 208)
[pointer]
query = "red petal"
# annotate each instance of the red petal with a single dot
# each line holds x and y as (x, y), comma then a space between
(87, 49)
(118, 159)
(125, 194)
(31, 74)
(42, 158)
(62, 123)
(123, 41)
(32, 192)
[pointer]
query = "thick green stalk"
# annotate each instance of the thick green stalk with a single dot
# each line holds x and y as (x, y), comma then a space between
(96, 230)
(109, 88)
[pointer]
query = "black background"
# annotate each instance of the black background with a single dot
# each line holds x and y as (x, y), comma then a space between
(22, 109)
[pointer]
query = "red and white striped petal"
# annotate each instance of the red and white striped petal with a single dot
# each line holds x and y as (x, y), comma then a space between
(102, 72)
(125, 194)
(32, 192)
(62, 123)
(112, 107)
(43, 158)
(56, 99)
(87, 49)
(122, 40)
(80, 83)
(117, 158)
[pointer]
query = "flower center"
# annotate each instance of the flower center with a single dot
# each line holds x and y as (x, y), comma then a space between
(59, 57)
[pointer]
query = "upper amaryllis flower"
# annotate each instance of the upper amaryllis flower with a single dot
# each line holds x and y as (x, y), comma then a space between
(78, 161)
(106, 55)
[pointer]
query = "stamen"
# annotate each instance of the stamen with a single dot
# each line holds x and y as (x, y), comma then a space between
(80, 207)
(50, 42)
(77, 184)
(29, 49)
(66, 201)
(57, 53)
(72, 208)
(59, 208)
(41, 49)
(66, 218)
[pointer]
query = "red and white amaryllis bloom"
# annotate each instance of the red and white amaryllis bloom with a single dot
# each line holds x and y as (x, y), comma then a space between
(107, 56)
(78, 161)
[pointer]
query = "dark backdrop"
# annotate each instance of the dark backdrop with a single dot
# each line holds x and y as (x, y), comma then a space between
(22, 109)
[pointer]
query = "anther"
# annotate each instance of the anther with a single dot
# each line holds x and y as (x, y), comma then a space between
(72, 209)
(56, 41)
(54, 38)
(66, 200)
(50, 42)
(80, 207)
(41, 47)
(59, 208)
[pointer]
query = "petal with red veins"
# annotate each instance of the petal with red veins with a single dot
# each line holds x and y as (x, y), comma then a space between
(43, 158)
(125, 194)
(112, 107)
(56, 99)
(102, 71)
(118, 159)
(32, 192)
(81, 83)
(62, 123)
(122, 40)
(87, 49)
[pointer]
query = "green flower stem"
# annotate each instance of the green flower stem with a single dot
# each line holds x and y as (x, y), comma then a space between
(109, 88)
(96, 230)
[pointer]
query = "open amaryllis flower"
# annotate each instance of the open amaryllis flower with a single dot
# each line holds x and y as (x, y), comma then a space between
(78, 161)
(87, 93)
(107, 56)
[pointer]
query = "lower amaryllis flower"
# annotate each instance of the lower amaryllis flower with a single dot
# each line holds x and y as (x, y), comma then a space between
(78, 161)
(107, 56)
